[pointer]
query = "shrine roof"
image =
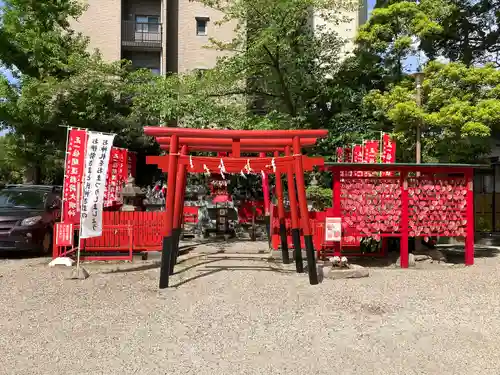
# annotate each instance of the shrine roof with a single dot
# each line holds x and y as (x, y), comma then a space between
(158, 131)
(402, 166)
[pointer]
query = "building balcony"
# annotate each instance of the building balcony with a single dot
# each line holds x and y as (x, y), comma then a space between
(141, 35)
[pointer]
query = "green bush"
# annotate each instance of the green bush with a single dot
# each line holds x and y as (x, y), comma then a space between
(321, 197)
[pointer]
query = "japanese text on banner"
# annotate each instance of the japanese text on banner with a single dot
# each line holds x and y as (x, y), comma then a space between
(388, 152)
(96, 169)
(340, 155)
(112, 179)
(340, 158)
(371, 154)
(357, 154)
(73, 175)
(122, 174)
(64, 234)
(131, 162)
(348, 158)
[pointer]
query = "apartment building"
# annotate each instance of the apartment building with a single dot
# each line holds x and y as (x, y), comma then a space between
(161, 35)
(170, 35)
(345, 30)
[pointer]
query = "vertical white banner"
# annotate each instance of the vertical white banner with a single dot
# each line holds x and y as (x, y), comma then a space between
(96, 170)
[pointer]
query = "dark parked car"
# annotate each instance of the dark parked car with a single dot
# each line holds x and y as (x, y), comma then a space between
(27, 217)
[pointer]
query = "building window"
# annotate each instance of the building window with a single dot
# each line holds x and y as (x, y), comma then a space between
(147, 24)
(201, 26)
(155, 71)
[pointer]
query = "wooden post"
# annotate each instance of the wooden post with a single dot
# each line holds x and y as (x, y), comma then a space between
(236, 148)
(281, 215)
(167, 239)
(337, 207)
(469, 237)
(267, 203)
(180, 193)
(292, 197)
(304, 213)
(403, 245)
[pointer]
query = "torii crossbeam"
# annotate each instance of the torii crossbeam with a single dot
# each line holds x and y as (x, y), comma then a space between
(181, 141)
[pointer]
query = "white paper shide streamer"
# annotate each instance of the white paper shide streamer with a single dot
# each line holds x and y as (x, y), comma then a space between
(96, 169)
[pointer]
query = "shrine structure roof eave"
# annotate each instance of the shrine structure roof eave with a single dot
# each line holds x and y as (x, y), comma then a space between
(245, 149)
(407, 167)
(282, 142)
(158, 131)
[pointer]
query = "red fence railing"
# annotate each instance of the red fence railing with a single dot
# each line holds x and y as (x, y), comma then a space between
(124, 231)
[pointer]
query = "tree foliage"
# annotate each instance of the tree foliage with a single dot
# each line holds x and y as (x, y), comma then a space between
(277, 72)
(459, 97)
(9, 171)
(194, 101)
(36, 38)
(460, 111)
(393, 32)
(469, 33)
(59, 84)
(279, 62)
(464, 31)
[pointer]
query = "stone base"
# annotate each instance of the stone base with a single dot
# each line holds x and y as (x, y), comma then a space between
(434, 254)
(82, 275)
(352, 272)
(245, 232)
(411, 261)
(430, 256)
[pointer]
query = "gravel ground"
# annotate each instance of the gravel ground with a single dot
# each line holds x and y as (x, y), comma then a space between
(232, 314)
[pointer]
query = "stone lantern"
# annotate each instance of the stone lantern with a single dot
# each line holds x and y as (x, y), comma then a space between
(310, 202)
(132, 196)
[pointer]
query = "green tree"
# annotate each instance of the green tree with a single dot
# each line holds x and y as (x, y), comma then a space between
(9, 171)
(60, 84)
(278, 72)
(461, 110)
(36, 38)
(458, 30)
(470, 32)
(194, 101)
(395, 32)
(279, 62)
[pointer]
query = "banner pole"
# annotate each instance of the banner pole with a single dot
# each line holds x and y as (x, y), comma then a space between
(380, 147)
(80, 196)
(86, 129)
(80, 227)
(79, 250)
(63, 200)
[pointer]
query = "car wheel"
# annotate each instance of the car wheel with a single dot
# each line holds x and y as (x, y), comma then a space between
(47, 243)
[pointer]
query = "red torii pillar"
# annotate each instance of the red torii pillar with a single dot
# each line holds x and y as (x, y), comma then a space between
(256, 145)
(180, 194)
(281, 216)
(267, 203)
(304, 213)
(292, 197)
(168, 253)
(162, 161)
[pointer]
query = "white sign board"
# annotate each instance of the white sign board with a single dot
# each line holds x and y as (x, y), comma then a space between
(96, 169)
(333, 229)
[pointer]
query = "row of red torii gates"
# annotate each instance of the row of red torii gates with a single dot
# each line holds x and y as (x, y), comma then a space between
(181, 141)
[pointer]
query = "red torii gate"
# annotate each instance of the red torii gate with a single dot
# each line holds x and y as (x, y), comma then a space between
(178, 164)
